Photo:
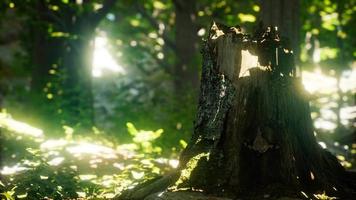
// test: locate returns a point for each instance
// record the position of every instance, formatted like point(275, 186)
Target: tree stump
point(253, 134)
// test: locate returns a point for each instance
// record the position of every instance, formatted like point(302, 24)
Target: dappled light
point(19, 127)
point(324, 90)
point(190, 166)
point(84, 148)
point(188, 100)
point(12, 170)
point(78, 154)
point(316, 82)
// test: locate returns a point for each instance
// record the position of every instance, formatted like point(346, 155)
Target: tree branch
point(155, 24)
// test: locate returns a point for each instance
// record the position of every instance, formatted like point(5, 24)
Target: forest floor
point(34, 166)
point(91, 166)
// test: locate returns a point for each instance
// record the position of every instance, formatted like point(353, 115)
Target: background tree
point(61, 46)
point(45, 76)
point(286, 16)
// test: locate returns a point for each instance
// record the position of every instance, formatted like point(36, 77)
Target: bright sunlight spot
point(12, 170)
point(248, 61)
point(325, 88)
point(19, 127)
point(318, 82)
point(56, 161)
point(92, 149)
point(103, 61)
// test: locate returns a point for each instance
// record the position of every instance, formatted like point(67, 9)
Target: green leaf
point(131, 129)
point(159, 5)
point(246, 17)
point(134, 22)
point(137, 175)
point(183, 143)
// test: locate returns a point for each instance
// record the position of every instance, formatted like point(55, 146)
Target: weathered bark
point(253, 135)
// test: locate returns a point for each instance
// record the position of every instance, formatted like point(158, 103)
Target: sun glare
point(317, 82)
point(103, 61)
point(326, 87)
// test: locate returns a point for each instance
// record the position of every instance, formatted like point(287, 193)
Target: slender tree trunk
point(286, 15)
point(342, 62)
point(73, 55)
point(185, 71)
point(44, 50)
point(77, 63)
point(78, 94)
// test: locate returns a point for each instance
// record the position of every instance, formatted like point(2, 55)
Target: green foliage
point(329, 24)
point(50, 45)
point(94, 166)
point(144, 138)
point(40, 180)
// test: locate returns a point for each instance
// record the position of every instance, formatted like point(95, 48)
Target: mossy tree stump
point(253, 134)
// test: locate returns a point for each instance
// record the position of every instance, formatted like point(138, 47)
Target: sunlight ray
point(103, 61)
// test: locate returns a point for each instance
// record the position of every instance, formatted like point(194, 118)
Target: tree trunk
point(73, 55)
point(77, 63)
point(253, 135)
point(286, 15)
point(44, 51)
point(186, 38)
point(78, 94)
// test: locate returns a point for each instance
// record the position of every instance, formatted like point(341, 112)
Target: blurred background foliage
point(76, 73)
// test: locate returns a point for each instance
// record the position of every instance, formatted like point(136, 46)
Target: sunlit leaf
point(87, 176)
point(159, 5)
point(134, 22)
point(183, 143)
point(33, 151)
point(59, 34)
point(54, 7)
point(8, 195)
point(323, 196)
point(256, 8)
point(137, 175)
point(156, 170)
point(81, 194)
point(131, 128)
point(246, 17)
point(56, 161)
point(21, 196)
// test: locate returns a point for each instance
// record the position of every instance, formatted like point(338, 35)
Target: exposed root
point(153, 186)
